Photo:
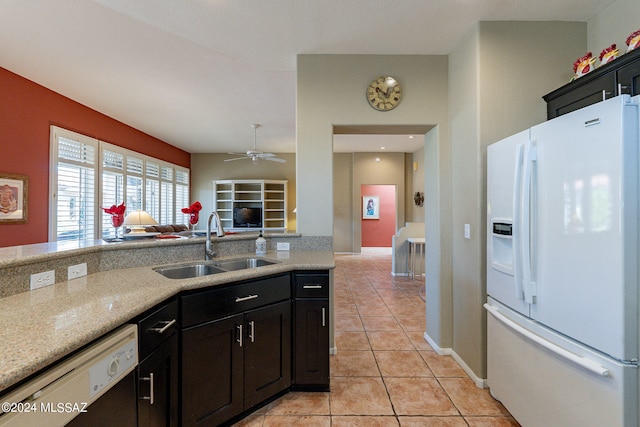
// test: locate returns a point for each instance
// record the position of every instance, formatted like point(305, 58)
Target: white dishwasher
point(67, 389)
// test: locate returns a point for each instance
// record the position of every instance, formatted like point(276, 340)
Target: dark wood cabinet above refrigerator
point(620, 76)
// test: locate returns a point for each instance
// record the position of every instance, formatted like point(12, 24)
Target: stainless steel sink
point(189, 271)
point(243, 263)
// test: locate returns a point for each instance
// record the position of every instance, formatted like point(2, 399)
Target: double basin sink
point(187, 271)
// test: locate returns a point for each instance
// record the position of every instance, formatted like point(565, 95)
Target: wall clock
point(384, 93)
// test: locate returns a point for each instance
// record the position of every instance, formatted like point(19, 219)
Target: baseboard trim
point(479, 382)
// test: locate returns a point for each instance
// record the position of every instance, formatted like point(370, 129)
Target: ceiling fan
point(254, 154)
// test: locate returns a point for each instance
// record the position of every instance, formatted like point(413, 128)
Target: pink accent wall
point(27, 110)
point(378, 232)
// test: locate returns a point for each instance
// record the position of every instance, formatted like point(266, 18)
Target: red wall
point(378, 232)
point(26, 112)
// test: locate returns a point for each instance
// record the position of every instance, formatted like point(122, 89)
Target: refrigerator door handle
point(530, 156)
point(517, 223)
point(583, 362)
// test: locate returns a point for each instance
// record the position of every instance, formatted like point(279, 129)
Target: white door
point(581, 225)
point(504, 169)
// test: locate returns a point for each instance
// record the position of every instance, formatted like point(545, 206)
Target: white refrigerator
point(563, 268)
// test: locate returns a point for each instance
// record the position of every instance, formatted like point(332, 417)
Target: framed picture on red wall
point(13, 198)
point(370, 207)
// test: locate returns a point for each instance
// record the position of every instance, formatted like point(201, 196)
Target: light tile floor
point(384, 374)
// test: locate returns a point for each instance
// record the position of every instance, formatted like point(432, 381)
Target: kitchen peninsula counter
point(42, 326)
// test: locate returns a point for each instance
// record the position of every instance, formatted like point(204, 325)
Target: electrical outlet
point(41, 280)
point(282, 246)
point(77, 270)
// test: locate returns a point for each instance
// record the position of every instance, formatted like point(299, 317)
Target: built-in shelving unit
point(270, 196)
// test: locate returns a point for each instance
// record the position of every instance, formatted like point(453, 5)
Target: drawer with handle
point(311, 285)
point(157, 327)
point(220, 302)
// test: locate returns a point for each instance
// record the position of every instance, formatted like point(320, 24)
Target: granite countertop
point(47, 324)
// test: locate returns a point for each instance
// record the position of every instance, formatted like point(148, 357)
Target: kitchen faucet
point(208, 251)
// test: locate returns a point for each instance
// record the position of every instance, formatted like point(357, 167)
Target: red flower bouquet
point(117, 215)
point(194, 213)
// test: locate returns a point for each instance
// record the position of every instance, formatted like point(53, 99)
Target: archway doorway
point(375, 154)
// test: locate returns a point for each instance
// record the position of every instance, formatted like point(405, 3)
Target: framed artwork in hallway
point(370, 207)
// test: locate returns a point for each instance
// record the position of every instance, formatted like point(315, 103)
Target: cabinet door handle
point(167, 325)
point(150, 398)
point(621, 87)
point(324, 322)
point(312, 287)
point(247, 298)
point(239, 340)
point(252, 331)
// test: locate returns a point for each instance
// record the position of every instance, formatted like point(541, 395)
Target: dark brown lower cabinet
point(267, 352)
point(158, 386)
point(311, 344)
point(311, 330)
point(212, 372)
point(157, 371)
point(231, 364)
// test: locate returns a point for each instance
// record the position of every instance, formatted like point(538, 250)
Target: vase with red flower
point(117, 217)
point(194, 216)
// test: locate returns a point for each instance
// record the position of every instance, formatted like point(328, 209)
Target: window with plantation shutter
point(152, 190)
point(135, 198)
point(167, 201)
point(112, 187)
point(182, 195)
point(87, 174)
point(74, 187)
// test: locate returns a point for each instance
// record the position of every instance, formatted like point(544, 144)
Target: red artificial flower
point(194, 208)
point(115, 210)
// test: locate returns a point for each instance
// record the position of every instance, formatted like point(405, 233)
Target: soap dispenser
point(261, 245)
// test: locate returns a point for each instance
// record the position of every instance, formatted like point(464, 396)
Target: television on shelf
point(247, 217)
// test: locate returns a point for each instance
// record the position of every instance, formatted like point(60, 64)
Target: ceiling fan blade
point(275, 159)
point(264, 155)
point(237, 158)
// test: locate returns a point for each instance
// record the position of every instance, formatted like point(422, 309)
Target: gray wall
point(495, 91)
point(331, 91)
point(613, 25)
point(206, 168)
point(343, 234)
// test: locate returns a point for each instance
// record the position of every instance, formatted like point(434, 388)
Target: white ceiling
point(198, 73)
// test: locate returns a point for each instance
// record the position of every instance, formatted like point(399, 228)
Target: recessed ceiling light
point(383, 148)
point(410, 136)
